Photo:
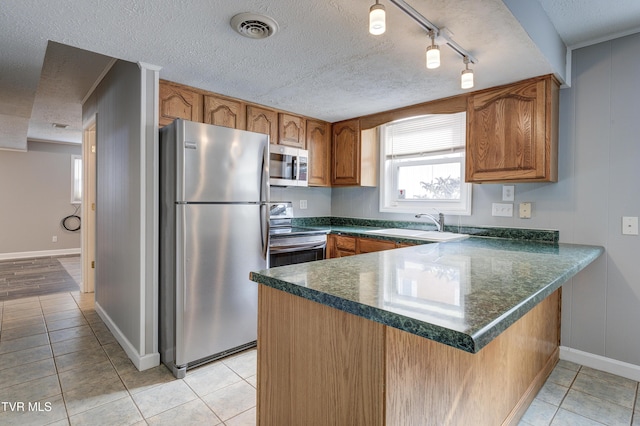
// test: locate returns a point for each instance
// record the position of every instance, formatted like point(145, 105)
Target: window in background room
point(422, 165)
point(76, 179)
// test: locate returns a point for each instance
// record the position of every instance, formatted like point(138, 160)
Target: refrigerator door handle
point(264, 205)
point(264, 227)
point(180, 286)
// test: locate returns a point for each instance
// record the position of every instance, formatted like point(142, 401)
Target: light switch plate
point(508, 192)
point(303, 204)
point(630, 225)
point(525, 210)
point(502, 209)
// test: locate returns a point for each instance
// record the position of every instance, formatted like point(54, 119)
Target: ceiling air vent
point(253, 25)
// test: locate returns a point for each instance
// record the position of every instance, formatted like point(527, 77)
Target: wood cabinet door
point(340, 246)
point(319, 145)
point(509, 133)
point(224, 112)
point(263, 120)
point(345, 153)
point(178, 102)
point(291, 130)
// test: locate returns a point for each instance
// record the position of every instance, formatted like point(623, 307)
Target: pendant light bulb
point(433, 54)
point(377, 17)
point(466, 79)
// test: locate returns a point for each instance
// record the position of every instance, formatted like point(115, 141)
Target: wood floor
point(38, 276)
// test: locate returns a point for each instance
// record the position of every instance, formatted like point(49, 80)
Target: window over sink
point(422, 165)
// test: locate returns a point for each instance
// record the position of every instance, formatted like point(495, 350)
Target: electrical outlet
point(525, 210)
point(303, 204)
point(508, 193)
point(54, 239)
point(629, 225)
point(500, 209)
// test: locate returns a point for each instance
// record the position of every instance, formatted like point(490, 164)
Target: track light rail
point(430, 26)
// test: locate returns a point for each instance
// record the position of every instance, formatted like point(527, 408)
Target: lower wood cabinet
point(369, 245)
point(345, 245)
point(340, 246)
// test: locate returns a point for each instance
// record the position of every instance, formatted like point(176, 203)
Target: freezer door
point(216, 303)
point(221, 164)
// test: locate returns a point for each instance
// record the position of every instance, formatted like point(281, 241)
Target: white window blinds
point(417, 136)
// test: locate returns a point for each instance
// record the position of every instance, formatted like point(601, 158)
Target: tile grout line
point(55, 364)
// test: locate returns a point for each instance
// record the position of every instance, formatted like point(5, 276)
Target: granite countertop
point(462, 294)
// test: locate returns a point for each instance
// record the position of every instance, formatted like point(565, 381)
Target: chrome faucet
point(439, 221)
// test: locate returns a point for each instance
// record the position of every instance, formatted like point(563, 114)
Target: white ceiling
point(322, 62)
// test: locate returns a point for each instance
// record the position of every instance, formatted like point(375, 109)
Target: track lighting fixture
point(377, 18)
point(433, 52)
point(466, 79)
point(377, 26)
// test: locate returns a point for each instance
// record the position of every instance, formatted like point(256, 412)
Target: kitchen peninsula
point(453, 333)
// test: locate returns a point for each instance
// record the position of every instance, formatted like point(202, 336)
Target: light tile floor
point(60, 365)
point(581, 396)
point(59, 359)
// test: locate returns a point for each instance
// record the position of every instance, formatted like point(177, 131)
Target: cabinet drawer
point(368, 245)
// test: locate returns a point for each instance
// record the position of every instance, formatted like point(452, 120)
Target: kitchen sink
point(419, 234)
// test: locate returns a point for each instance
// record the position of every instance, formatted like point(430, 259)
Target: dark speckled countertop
point(462, 294)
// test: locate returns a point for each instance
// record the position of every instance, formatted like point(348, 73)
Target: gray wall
point(318, 200)
point(35, 187)
point(126, 226)
point(599, 183)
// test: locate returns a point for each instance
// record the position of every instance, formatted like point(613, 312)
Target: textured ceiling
point(581, 22)
point(322, 62)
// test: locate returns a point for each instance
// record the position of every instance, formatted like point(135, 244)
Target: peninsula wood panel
point(429, 383)
point(317, 365)
point(224, 112)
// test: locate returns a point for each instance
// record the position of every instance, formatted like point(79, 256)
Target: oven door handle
point(297, 247)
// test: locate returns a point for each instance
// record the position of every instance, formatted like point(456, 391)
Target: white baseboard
point(142, 362)
point(609, 365)
point(43, 253)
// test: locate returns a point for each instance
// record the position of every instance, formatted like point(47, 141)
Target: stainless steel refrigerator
point(214, 231)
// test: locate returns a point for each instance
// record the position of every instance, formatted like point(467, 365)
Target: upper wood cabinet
point(318, 137)
point(224, 112)
point(512, 133)
point(353, 155)
point(291, 130)
point(178, 102)
point(263, 120)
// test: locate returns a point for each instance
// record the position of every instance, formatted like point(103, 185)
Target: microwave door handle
point(295, 168)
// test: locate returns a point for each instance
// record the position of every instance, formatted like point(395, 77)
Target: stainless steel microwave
point(288, 166)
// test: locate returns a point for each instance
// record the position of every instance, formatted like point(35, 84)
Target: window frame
point(76, 179)
point(390, 202)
